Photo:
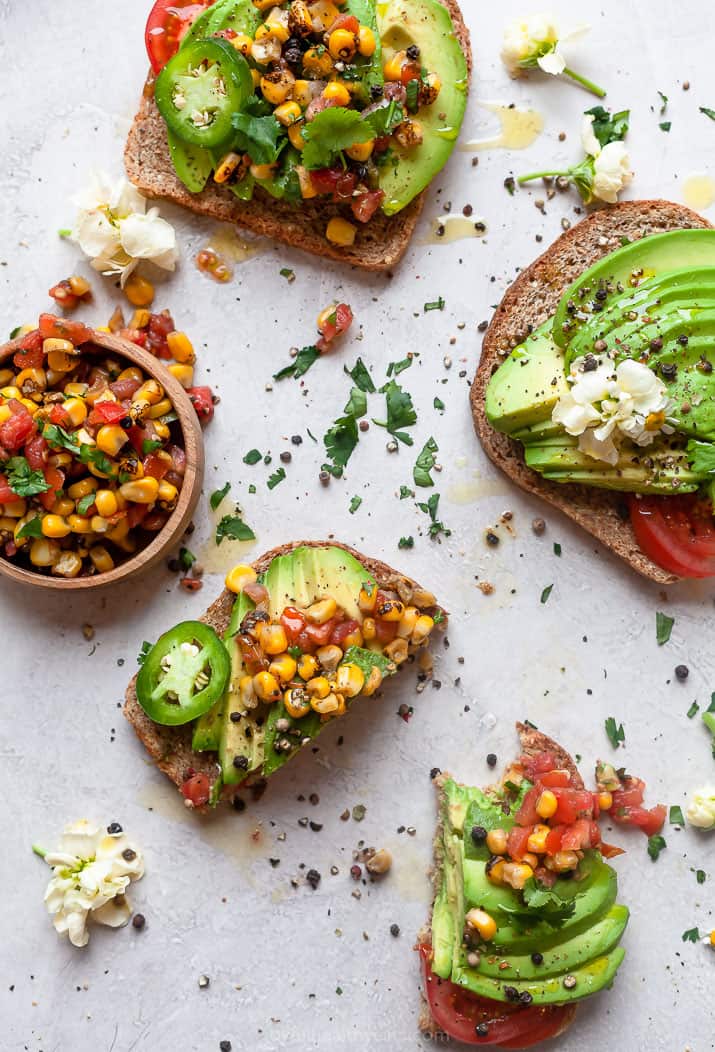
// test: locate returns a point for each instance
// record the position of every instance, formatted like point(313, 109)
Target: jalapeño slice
point(200, 89)
point(184, 673)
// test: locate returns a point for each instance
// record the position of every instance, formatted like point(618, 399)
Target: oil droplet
point(457, 227)
point(472, 491)
point(699, 191)
point(519, 129)
point(224, 247)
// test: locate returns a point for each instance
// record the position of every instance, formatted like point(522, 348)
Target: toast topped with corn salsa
point(293, 640)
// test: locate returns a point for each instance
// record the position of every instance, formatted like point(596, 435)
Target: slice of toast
point(532, 742)
point(529, 301)
point(170, 747)
point(379, 245)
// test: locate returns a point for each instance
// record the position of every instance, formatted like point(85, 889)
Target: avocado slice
point(526, 386)
point(427, 24)
point(665, 459)
point(443, 924)
point(207, 729)
point(637, 260)
point(625, 480)
point(544, 430)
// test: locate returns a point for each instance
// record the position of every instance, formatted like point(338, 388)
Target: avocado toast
point(627, 289)
point(524, 921)
point(284, 675)
point(357, 203)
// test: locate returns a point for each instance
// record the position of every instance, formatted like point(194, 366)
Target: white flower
point(701, 809)
point(534, 41)
point(604, 404)
point(588, 139)
point(114, 229)
point(91, 871)
point(611, 172)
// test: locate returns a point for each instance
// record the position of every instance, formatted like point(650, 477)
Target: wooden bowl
point(168, 537)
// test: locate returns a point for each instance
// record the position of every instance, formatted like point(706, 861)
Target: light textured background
point(70, 75)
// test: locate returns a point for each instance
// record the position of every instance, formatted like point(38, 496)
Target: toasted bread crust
point(532, 742)
point(530, 300)
point(170, 747)
point(379, 244)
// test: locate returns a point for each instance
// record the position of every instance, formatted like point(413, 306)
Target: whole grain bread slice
point(379, 244)
point(170, 747)
point(532, 743)
point(529, 301)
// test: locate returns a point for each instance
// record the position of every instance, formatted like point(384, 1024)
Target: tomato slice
point(62, 329)
point(650, 821)
point(197, 789)
point(168, 23)
point(677, 533)
point(458, 1013)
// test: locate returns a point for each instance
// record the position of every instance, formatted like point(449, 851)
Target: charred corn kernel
point(139, 291)
point(121, 501)
point(605, 800)
point(53, 377)
point(367, 597)
point(44, 552)
point(256, 78)
point(329, 657)
point(300, 20)
point(119, 533)
point(283, 668)
point(239, 577)
point(181, 348)
point(361, 151)
point(277, 28)
point(307, 666)
point(712, 937)
point(103, 395)
point(262, 171)
point(323, 14)
point(353, 639)
point(79, 524)
point(127, 543)
point(31, 379)
point(54, 343)
point(321, 611)
point(318, 687)
point(330, 705)
point(227, 166)
point(392, 69)
point(132, 467)
point(266, 687)
point(342, 44)
point(337, 92)
point(11, 392)
point(30, 405)
point(143, 491)
point(366, 41)
point(397, 650)
point(409, 134)
point(301, 93)
point(79, 285)
point(496, 841)
point(349, 680)
point(429, 89)
point(373, 681)
point(59, 362)
point(297, 702)
point(111, 438)
point(140, 318)
point(516, 874)
point(100, 524)
point(63, 506)
point(563, 861)
point(546, 804)
point(5, 413)
point(317, 63)
point(482, 923)
point(167, 493)
point(407, 622)
point(183, 373)
point(247, 692)
point(82, 489)
point(69, 564)
point(160, 409)
point(243, 43)
point(277, 85)
point(101, 559)
point(287, 113)
point(150, 391)
point(131, 373)
point(494, 869)
point(15, 508)
point(530, 859)
point(106, 503)
point(272, 638)
point(6, 376)
point(55, 526)
point(368, 629)
point(305, 181)
point(423, 627)
point(389, 610)
point(537, 840)
point(162, 430)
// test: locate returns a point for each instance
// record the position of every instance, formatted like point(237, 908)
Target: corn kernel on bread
point(529, 301)
point(170, 747)
point(379, 245)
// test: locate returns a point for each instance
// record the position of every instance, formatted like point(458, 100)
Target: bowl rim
point(189, 494)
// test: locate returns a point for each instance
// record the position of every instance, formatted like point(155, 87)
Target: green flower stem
point(539, 175)
point(39, 850)
point(585, 83)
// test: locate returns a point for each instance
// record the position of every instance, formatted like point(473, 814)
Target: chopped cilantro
point(258, 135)
point(85, 503)
point(663, 627)
point(395, 368)
point(542, 903)
point(234, 527)
point(676, 816)
point(437, 304)
point(708, 112)
point(218, 495)
point(546, 593)
point(288, 274)
point(57, 436)
point(412, 91)
point(32, 528)
point(149, 445)
point(276, 477)
point(430, 508)
point(354, 504)
point(145, 648)
point(252, 457)
point(608, 127)
point(615, 732)
point(360, 376)
point(438, 404)
point(663, 103)
point(665, 126)
point(405, 492)
point(332, 131)
point(64, 231)
point(655, 846)
point(24, 480)
point(305, 357)
point(340, 441)
point(438, 617)
point(406, 542)
point(91, 455)
point(366, 660)
point(557, 548)
point(425, 463)
point(700, 876)
point(694, 708)
point(711, 706)
point(252, 488)
point(186, 558)
point(400, 411)
point(357, 404)
point(692, 934)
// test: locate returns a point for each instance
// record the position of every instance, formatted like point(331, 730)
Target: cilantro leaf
point(656, 844)
point(234, 527)
point(615, 732)
point(400, 410)
point(708, 112)
point(676, 816)
point(260, 137)
point(32, 528)
point(288, 274)
point(557, 548)
point(424, 464)
point(366, 660)
point(332, 131)
point(608, 127)
point(438, 404)
point(91, 455)
point(663, 627)
point(701, 457)
point(360, 376)
point(540, 904)
point(186, 558)
point(340, 441)
point(700, 876)
point(692, 934)
point(357, 403)
point(85, 503)
point(252, 457)
point(663, 103)
point(385, 118)
point(218, 495)
point(437, 304)
point(430, 508)
point(405, 492)
point(276, 477)
point(142, 655)
point(305, 357)
point(406, 542)
point(665, 126)
point(694, 708)
point(149, 445)
point(354, 504)
point(57, 436)
point(546, 593)
point(395, 368)
point(24, 480)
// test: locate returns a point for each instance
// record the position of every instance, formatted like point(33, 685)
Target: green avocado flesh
point(244, 739)
point(583, 946)
point(653, 301)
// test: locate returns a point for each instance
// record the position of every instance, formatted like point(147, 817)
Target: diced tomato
point(201, 399)
point(155, 466)
point(168, 23)
point(410, 71)
point(334, 181)
point(55, 479)
point(7, 495)
point(526, 815)
point(535, 766)
point(36, 452)
point(107, 413)
point(137, 336)
point(253, 657)
point(517, 841)
point(197, 789)
point(595, 834)
point(178, 456)
point(63, 295)
point(348, 22)
point(385, 631)
point(293, 623)
point(31, 341)
point(141, 433)
point(382, 143)
point(559, 778)
point(124, 389)
point(62, 329)
point(650, 821)
point(610, 850)
point(136, 513)
point(337, 322)
point(572, 804)
point(342, 630)
point(553, 840)
point(631, 794)
point(159, 327)
point(29, 359)
point(365, 205)
point(60, 416)
point(319, 635)
point(16, 430)
point(577, 837)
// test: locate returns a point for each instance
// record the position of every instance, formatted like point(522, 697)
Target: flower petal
point(604, 450)
point(114, 914)
point(552, 62)
point(588, 140)
point(149, 237)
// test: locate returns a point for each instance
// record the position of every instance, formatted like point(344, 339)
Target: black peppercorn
point(114, 829)
point(479, 834)
point(492, 759)
point(138, 921)
point(239, 804)
point(394, 930)
point(313, 878)
point(482, 1030)
point(225, 1046)
point(681, 672)
point(413, 52)
point(128, 855)
point(537, 958)
point(240, 763)
point(434, 772)
point(491, 538)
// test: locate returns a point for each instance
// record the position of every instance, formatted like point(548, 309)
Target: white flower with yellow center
point(605, 403)
point(534, 41)
point(701, 809)
point(115, 230)
point(91, 871)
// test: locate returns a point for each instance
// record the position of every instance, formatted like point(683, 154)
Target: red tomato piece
point(31, 341)
point(348, 22)
point(558, 778)
point(36, 452)
point(62, 329)
point(385, 631)
point(342, 631)
point(136, 513)
point(577, 836)
point(29, 359)
point(526, 815)
point(535, 766)
point(160, 325)
point(16, 430)
point(168, 23)
point(197, 789)
point(517, 841)
point(410, 71)
point(124, 389)
point(365, 205)
point(631, 794)
point(201, 399)
point(253, 657)
point(107, 413)
point(610, 850)
point(7, 495)
point(137, 336)
point(60, 416)
point(327, 180)
point(155, 466)
point(319, 635)
point(650, 821)
point(572, 805)
point(55, 479)
point(337, 322)
point(595, 834)
point(553, 840)
point(677, 533)
point(293, 623)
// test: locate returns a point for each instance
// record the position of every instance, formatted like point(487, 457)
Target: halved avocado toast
point(308, 628)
